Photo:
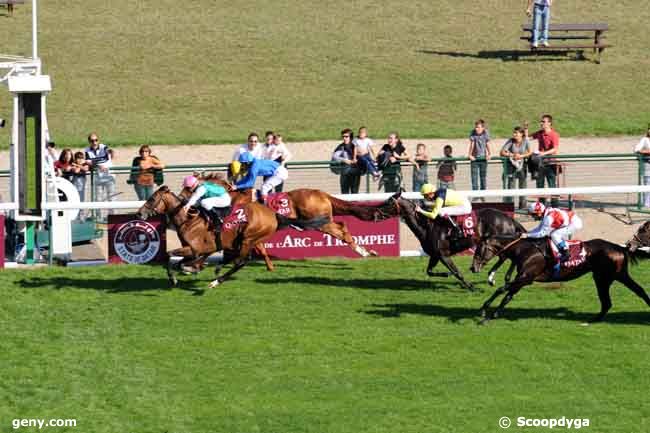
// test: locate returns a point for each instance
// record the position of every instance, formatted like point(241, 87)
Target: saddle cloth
point(577, 253)
point(236, 218)
point(467, 222)
point(279, 202)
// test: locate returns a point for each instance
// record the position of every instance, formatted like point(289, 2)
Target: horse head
point(161, 201)
point(488, 247)
point(641, 238)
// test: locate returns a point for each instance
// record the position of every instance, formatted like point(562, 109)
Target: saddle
point(577, 255)
point(466, 224)
point(280, 203)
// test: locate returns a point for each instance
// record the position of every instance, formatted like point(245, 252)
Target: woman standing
point(142, 172)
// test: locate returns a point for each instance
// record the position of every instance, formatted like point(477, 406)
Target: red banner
point(131, 240)
point(381, 237)
point(2, 241)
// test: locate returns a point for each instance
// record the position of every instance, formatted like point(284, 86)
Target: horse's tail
point(301, 224)
point(363, 212)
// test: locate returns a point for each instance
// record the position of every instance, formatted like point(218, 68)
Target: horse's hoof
point(485, 321)
point(585, 324)
point(491, 280)
point(373, 253)
point(214, 284)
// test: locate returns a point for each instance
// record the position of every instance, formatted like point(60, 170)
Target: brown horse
point(258, 224)
point(313, 203)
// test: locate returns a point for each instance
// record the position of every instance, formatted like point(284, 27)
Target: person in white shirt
point(364, 154)
point(100, 159)
point(275, 150)
point(643, 148)
point(252, 146)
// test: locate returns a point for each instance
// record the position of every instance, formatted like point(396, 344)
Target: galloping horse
point(435, 239)
point(535, 261)
point(256, 224)
point(306, 204)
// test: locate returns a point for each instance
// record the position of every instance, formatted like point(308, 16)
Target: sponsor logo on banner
point(135, 241)
point(381, 236)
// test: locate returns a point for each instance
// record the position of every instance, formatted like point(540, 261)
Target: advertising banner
point(381, 236)
point(131, 240)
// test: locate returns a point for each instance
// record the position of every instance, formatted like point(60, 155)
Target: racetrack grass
point(318, 346)
point(209, 71)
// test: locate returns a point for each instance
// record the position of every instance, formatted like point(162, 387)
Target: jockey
point(253, 167)
point(446, 202)
point(213, 197)
point(556, 223)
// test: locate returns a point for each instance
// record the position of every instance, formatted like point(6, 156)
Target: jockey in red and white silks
point(556, 223)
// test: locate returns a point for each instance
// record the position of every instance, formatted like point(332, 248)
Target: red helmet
point(536, 208)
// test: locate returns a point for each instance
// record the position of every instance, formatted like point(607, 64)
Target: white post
point(34, 33)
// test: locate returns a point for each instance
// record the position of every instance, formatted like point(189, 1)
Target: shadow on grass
point(511, 55)
point(400, 284)
point(454, 314)
point(294, 264)
point(121, 285)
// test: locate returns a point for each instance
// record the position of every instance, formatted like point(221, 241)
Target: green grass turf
point(211, 71)
point(319, 346)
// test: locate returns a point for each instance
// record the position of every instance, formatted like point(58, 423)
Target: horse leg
point(228, 256)
point(513, 289)
point(494, 269)
point(603, 283)
point(511, 269)
point(267, 260)
point(501, 290)
point(340, 232)
point(454, 270)
point(626, 279)
point(187, 253)
point(433, 261)
point(237, 264)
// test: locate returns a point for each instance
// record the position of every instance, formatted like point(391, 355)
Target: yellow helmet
point(235, 167)
point(427, 188)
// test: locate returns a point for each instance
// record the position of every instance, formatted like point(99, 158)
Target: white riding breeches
point(461, 209)
point(564, 233)
point(280, 175)
point(221, 201)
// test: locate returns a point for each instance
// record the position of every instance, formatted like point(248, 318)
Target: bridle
point(152, 207)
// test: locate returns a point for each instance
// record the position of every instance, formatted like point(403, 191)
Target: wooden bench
point(571, 37)
point(10, 5)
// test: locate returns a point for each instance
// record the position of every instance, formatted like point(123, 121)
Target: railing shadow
point(399, 284)
point(121, 285)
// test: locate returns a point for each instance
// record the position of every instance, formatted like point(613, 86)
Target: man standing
point(99, 158)
point(541, 12)
point(548, 141)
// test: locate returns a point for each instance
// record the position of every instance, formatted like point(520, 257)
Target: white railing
point(533, 192)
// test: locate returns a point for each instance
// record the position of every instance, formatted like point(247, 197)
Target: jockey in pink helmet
point(559, 224)
point(213, 198)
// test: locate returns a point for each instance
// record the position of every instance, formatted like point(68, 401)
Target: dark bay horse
point(640, 239)
point(306, 204)
point(435, 238)
point(256, 225)
point(535, 261)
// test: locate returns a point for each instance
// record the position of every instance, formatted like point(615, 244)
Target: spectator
point(364, 154)
point(100, 160)
point(275, 150)
point(80, 170)
point(516, 149)
point(643, 148)
point(63, 166)
point(479, 154)
point(51, 157)
point(143, 169)
point(389, 158)
point(447, 169)
point(541, 12)
point(420, 174)
point(548, 144)
point(252, 146)
point(350, 174)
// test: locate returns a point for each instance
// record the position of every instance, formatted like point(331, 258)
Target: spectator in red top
point(549, 144)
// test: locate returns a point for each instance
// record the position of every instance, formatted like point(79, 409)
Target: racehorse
point(253, 225)
point(306, 204)
point(640, 239)
point(535, 261)
point(436, 241)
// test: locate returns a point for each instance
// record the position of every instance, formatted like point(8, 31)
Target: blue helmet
point(246, 157)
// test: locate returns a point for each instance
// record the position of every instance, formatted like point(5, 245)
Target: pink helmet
point(190, 181)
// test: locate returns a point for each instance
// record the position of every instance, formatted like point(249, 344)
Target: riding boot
point(564, 251)
point(217, 220)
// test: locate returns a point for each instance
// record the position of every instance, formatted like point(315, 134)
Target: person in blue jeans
point(541, 13)
point(479, 154)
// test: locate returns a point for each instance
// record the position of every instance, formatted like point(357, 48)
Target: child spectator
point(275, 150)
point(80, 169)
point(420, 174)
point(479, 154)
point(447, 169)
point(364, 154)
